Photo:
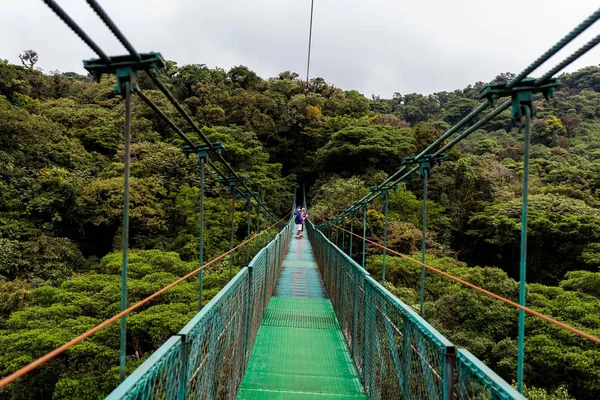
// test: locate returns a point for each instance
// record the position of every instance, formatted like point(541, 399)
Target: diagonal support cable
point(75, 28)
point(113, 28)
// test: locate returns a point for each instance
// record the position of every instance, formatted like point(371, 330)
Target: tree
point(558, 230)
point(242, 77)
point(355, 150)
point(29, 58)
point(336, 194)
point(546, 131)
point(356, 103)
point(458, 108)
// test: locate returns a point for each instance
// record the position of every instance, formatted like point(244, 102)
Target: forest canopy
point(61, 179)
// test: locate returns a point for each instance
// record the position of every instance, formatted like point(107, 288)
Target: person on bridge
point(299, 222)
point(303, 215)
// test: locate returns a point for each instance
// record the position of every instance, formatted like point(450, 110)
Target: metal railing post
point(425, 171)
point(523, 261)
point(364, 244)
point(125, 235)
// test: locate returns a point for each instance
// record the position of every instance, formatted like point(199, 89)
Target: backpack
point(298, 219)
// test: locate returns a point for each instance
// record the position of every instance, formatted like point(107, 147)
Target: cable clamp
point(125, 68)
point(522, 95)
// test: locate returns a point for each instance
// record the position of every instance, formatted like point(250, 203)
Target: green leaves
point(356, 150)
point(558, 230)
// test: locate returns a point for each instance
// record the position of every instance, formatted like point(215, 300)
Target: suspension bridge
point(303, 318)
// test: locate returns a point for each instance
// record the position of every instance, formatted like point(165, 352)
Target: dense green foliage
point(61, 165)
point(474, 218)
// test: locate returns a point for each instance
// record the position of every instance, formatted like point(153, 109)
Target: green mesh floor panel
point(300, 282)
point(304, 383)
point(299, 361)
point(287, 303)
point(291, 314)
point(299, 256)
point(259, 394)
point(299, 264)
point(316, 352)
point(300, 352)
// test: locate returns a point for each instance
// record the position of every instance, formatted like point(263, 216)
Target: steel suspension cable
point(312, 4)
point(497, 111)
point(177, 106)
point(554, 49)
point(179, 132)
point(164, 117)
point(515, 81)
point(125, 42)
point(113, 28)
point(75, 28)
point(406, 175)
point(581, 51)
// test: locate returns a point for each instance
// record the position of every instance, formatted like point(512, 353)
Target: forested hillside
point(61, 166)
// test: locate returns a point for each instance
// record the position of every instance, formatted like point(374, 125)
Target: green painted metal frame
point(523, 256)
point(396, 352)
point(208, 357)
point(202, 152)
point(157, 377)
point(126, 86)
point(364, 241)
point(474, 380)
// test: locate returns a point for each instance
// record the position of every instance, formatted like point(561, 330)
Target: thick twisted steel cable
point(172, 125)
point(113, 28)
point(406, 175)
point(250, 192)
point(239, 190)
point(453, 129)
point(75, 28)
point(312, 5)
point(554, 49)
point(121, 37)
point(429, 148)
point(473, 128)
point(166, 119)
point(33, 365)
point(539, 61)
point(222, 175)
point(581, 51)
point(178, 106)
point(195, 127)
point(448, 146)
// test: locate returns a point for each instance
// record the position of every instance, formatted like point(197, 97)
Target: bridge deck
point(300, 352)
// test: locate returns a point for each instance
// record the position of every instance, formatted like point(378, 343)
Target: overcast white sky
point(374, 46)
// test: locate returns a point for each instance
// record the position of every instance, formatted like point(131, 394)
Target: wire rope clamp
point(426, 163)
point(522, 95)
point(372, 189)
point(231, 181)
point(247, 197)
point(202, 150)
point(385, 190)
point(124, 67)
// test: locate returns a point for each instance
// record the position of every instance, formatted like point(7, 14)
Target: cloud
point(375, 46)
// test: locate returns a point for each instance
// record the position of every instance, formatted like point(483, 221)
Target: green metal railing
point(474, 380)
point(207, 358)
point(397, 353)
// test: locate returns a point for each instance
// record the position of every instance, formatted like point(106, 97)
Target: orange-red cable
point(17, 374)
point(479, 289)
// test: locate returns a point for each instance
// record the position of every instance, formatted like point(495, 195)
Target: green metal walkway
point(300, 352)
